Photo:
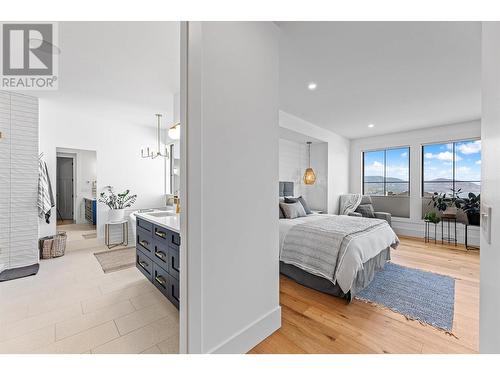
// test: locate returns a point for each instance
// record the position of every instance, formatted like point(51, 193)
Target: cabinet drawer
point(174, 262)
point(144, 264)
point(174, 291)
point(161, 234)
point(161, 254)
point(145, 225)
point(144, 241)
point(161, 280)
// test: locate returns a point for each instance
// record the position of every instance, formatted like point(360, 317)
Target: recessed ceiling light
point(371, 125)
point(312, 86)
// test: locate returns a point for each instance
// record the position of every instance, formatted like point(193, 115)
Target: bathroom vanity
point(157, 251)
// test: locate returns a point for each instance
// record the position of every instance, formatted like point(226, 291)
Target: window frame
point(385, 171)
point(453, 181)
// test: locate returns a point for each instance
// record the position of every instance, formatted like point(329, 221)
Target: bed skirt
point(363, 278)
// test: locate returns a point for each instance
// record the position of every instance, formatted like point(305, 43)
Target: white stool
point(124, 224)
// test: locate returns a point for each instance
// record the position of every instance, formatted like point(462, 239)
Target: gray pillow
point(293, 210)
point(366, 210)
point(302, 202)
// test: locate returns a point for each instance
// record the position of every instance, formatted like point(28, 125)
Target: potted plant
point(117, 202)
point(442, 202)
point(432, 217)
point(471, 206)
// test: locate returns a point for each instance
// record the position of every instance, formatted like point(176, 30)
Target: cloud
point(463, 169)
point(470, 148)
point(376, 168)
point(443, 156)
point(404, 154)
point(478, 162)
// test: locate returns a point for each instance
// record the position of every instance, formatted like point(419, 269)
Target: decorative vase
point(115, 215)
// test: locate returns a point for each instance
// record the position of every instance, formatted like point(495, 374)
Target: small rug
point(115, 260)
point(418, 295)
point(89, 236)
point(17, 273)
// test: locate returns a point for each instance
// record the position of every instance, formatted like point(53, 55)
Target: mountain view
point(374, 186)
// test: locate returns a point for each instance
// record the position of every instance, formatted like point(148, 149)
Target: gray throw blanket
point(319, 246)
point(349, 203)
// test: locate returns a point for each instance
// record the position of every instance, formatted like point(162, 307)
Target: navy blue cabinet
point(157, 257)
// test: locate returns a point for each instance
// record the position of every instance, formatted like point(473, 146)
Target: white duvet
point(359, 250)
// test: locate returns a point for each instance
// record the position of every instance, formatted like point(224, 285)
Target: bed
point(334, 254)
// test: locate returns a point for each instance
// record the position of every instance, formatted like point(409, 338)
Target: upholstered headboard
point(286, 189)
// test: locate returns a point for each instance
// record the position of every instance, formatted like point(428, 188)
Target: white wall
point(415, 139)
point(81, 123)
point(338, 156)
point(293, 160)
point(489, 337)
point(231, 235)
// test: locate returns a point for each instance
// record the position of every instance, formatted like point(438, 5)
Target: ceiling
point(396, 75)
point(130, 65)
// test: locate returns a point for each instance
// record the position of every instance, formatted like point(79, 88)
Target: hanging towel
point(349, 203)
point(45, 195)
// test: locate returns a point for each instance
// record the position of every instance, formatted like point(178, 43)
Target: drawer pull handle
point(144, 243)
point(175, 241)
point(161, 281)
point(173, 265)
point(161, 255)
point(160, 233)
point(173, 294)
point(144, 265)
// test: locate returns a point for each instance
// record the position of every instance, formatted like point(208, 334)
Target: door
point(489, 319)
point(64, 188)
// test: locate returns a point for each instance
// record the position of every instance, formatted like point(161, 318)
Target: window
point(450, 166)
point(387, 172)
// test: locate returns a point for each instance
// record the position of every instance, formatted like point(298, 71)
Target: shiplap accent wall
point(293, 160)
point(19, 180)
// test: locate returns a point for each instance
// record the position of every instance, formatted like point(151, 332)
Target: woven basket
point(53, 246)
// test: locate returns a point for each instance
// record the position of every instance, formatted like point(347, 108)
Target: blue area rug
point(418, 295)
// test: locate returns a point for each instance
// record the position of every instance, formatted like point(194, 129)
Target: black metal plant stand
point(449, 221)
point(428, 228)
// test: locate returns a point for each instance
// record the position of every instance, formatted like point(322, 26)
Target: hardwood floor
point(313, 322)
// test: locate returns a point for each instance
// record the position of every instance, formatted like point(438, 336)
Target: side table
point(124, 227)
point(449, 219)
point(428, 230)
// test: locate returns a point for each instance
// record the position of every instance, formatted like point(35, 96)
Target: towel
point(45, 194)
point(349, 203)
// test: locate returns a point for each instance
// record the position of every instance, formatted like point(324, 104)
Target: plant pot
point(116, 215)
point(473, 218)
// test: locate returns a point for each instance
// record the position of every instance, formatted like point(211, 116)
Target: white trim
point(251, 335)
point(183, 304)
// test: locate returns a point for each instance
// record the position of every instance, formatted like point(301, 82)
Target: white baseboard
point(405, 227)
point(251, 335)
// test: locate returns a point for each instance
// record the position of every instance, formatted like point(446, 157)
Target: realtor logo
point(29, 56)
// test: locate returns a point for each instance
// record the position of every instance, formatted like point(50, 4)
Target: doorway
point(76, 195)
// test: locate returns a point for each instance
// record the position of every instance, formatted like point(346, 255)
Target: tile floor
point(71, 306)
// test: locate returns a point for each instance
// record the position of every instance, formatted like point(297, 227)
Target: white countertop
point(170, 222)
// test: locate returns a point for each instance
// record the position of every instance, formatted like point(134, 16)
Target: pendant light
point(159, 152)
point(309, 176)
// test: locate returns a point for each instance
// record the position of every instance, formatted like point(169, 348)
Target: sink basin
point(161, 213)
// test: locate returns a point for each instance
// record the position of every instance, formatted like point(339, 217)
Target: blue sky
point(397, 163)
point(437, 162)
